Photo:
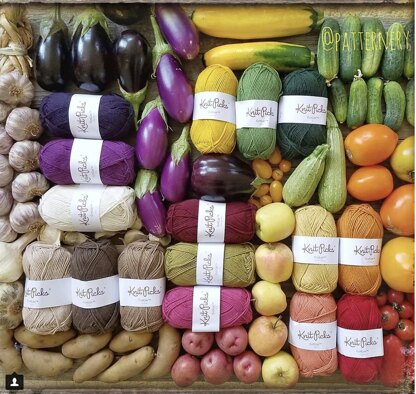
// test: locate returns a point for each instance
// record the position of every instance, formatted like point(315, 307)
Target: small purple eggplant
point(173, 85)
point(178, 30)
point(152, 139)
point(150, 207)
point(176, 172)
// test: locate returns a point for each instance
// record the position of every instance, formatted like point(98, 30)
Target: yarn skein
point(298, 140)
point(208, 135)
point(359, 313)
point(360, 221)
point(239, 264)
point(42, 261)
point(235, 307)
point(182, 221)
point(258, 82)
point(314, 308)
point(115, 116)
point(90, 261)
point(315, 221)
point(116, 162)
point(142, 259)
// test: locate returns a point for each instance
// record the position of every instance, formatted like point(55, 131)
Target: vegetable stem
point(161, 47)
point(181, 147)
point(53, 25)
point(21, 243)
point(146, 182)
point(156, 103)
point(135, 99)
point(89, 18)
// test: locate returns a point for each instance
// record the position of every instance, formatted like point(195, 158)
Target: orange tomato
point(265, 200)
point(277, 175)
point(285, 165)
point(262, 168)
point(254, 202)
point(276, 157)
point(262, 190)
point(398, 211)
point(276, 189)
point(370, 183)
point(370, 144)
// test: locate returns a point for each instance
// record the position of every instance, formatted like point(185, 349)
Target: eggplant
point(123, 14)
point(52, 57)
point(174, 180)
point(173, 85)
point(149, 203)
point(92, 54)
point(178, 30)
point(134, 66)
point(152, 138)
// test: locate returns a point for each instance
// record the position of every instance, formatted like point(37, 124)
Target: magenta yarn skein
point(116, 162)
point(235, 308)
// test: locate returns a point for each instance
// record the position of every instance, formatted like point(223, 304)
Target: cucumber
point(350, 48)
point(374, 98)
point(328, 50)
point(357, 103)
point(395, 105)
point(410, 101)
point(393, 60)
point(332, 189)
point(409, 54)
point(339, 100)
point(373, 46)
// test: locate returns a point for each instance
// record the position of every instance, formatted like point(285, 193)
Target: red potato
point(217, 367)
point(247, 367)
point(185, 370)
point(197, 343)
point(232, 340)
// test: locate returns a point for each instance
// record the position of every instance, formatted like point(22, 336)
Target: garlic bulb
point(23, 123)
point(50, 235)
point(6, 171)
point(11, 304)
point(25, 217)
point(24, 156)
point(16, 89)
point(27, 186)
point(5, 109)
point(6, 200)
point(7, 234)
point(6, 142)
point(72, 238)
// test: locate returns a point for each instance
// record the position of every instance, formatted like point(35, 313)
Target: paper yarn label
point(83, 116)
point(360, 251)
point(214, 106)
point(206, 309)
point(142, 293)
point(315, 250)
point(210, 264)
point(51, 293)
point(303, 109)
point(313, 336)
point(85, 161)
point(211, 221)
point(256, 113)
point(360, 343)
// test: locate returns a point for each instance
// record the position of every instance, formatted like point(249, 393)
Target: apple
point(274, 222)
point(185, 370)
point(280, 371)
point(274, 262)
point(269, 298)
point(197, 343)
point(232, 340)
point(247, 367)
point(217, 367)
point(267, 335)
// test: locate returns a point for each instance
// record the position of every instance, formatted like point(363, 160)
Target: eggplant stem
point(161, 47)
point(89, 18)
point(156, 103)
point(146, 182)
point(180, 148)
point(135, 99)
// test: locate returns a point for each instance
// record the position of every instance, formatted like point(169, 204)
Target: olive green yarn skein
point(258, 82)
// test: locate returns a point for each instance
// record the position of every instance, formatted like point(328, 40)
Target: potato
point(45, 363)
point(85, 344)
point(6, 338)
point(10, 360)
point(217, 367)
point(125, 341)
point(36, 341)
point(128, 366)
point(93, 366)
point(185, 370)
point(168, 349)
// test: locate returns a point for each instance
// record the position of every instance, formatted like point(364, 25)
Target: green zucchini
point(410, 101)
point(328, 50)
point(332, 189)
point(357, 103)
point(339, 100)
point(302, 183)
point(374, 97)
point(373, 46)
point(350, 48)
point(393, 61)
point(409, 54)
point(395, 105)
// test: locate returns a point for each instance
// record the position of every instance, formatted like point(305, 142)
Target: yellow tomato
point(397, 264)
point(402, 160)
point(262, 168)
point(276, 189)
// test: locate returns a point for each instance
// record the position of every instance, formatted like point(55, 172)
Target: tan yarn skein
point(141, 259)
point(42, 261)
point(315, 221)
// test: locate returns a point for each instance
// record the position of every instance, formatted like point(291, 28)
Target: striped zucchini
point(247, 22)
point(350, 48)
point(395, 105)
point(373, 46)
point(374, 97)
point(393, 60)
point(410, 101)
point(409, 54)
point(332, 189)
point(339, 100)
point(328, 50)
point(281, 56)
point(357, 103)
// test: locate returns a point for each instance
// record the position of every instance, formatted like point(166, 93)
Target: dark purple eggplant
point(152, 138)
point(173, 85)
point(174, 180)
point(150, 207)
point(52, 57)
point(178, 30)
point(92, 54)
point(123, 14)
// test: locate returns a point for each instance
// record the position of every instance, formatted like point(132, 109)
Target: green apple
point(274, 262)
point(280, 371)
point(269, 298)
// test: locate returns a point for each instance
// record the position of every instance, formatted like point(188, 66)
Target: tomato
point(394, 296)
point(276, 157)
point(389, 317)
point(410, 297)
point(402, 160)
point(405, 330)
point(265, 200)
point(262, 168)
point(370, 144)
point(410, 362)
point(254, 202)
point(277, 175)
point(262, 190)
point(370, 183)
point(394, 362)
point(285, 166)
point(276, 189)
point(405, 309)
point(381, 298)
point(398, 211)
point(397, 264)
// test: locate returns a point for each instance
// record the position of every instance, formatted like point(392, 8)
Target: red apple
point(185, 370)
point(247, 367)
point(217, 367)
point(197, 343)
point(274, 262)
point(232, 340)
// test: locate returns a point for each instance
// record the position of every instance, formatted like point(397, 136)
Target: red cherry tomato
point(405, 330)
point(381, 298)
point(395, 296)
point(410, 297)
point(405, 309)
point(389, 317)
